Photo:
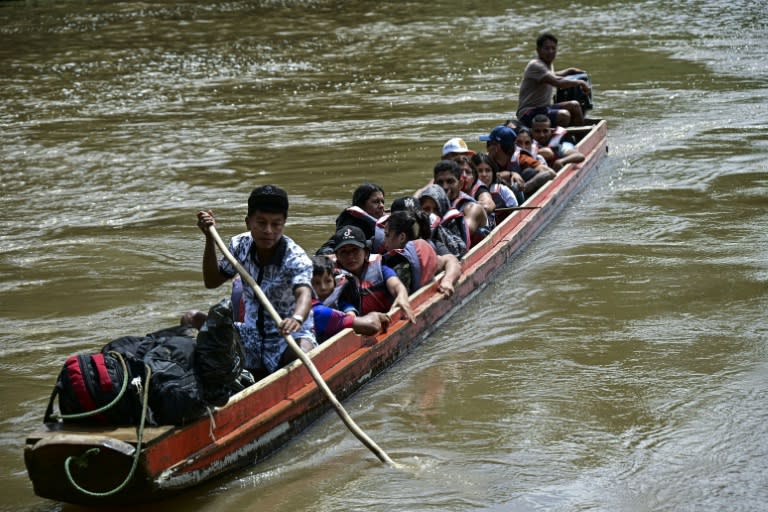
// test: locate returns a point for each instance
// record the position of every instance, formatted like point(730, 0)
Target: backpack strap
point(78, 379)
point(105, 383)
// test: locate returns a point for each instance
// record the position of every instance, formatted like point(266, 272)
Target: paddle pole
point(516, 208)
point(348, 421)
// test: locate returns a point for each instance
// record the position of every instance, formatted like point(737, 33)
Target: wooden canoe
point(262, 418)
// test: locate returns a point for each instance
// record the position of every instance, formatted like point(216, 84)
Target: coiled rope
point(81, 461)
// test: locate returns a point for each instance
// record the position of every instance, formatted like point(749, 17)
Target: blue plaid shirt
point(289, 268)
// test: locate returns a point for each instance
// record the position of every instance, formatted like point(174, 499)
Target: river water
point(619, 364)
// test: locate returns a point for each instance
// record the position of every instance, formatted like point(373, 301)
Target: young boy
point(283, 271)
point(328, 319)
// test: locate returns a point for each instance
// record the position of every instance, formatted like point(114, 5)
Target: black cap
point(401, 204)
point(269, 198)
point(407, 203)
point(349, 235)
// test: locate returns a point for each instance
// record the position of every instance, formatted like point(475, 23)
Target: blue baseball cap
point(503, 135)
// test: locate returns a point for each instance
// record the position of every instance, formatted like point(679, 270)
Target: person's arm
point(565, 83)
point(569, 71)
point(475, 217)
point(452, 267)
point(212, 277)
point(371, 323)
point(303, 296)
point(572, 156)
point(486, 200)
point(329, 321)
point(400, 293)
point(513, 178)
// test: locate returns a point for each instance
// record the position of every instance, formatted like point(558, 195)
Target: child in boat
point(487, 172)
point(553, 145)
point(413, 255)
point(329, 320)
point(473, 186)
point(379, 287)
point(283, 271)
point(367, 207)
point(528, 162)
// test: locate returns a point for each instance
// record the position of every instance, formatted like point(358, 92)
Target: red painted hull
point(259, 420)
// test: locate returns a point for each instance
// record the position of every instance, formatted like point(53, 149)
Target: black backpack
point(185, 375)
point(88, 382)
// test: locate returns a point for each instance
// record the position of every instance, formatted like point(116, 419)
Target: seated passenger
point(487, 172)
point(455, 147)
point(328, 319)
point(447, 223)
point(538, 87)
point(501, 147)
point(378, 285)
point(367, 207)
point(412, 254)
point(452, 149)
point(445, 241)
point(472, 186)
point(447, 174)
point(526, 160)
point(552, 144)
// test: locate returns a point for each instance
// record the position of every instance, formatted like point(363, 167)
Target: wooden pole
point(515, 209)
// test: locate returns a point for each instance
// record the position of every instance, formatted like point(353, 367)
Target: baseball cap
point(456, 145)
point(404, 203)
point(349, 235)
point(268, 198)
point(407, 203)
point(503, 135)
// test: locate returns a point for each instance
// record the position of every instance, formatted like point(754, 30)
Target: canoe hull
point(262, 418)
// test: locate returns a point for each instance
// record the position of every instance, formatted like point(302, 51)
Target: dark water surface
point(620, 364)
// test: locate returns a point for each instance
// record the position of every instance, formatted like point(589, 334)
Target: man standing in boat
point(537, 88)
point(280, 267)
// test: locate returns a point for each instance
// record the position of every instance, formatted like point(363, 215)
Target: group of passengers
point(377, 258)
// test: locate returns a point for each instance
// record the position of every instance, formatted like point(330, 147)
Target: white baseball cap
point(456, 145)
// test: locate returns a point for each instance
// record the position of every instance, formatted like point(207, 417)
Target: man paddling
point(280, 267)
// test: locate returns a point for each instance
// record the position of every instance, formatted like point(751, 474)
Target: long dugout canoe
point(262, 418)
